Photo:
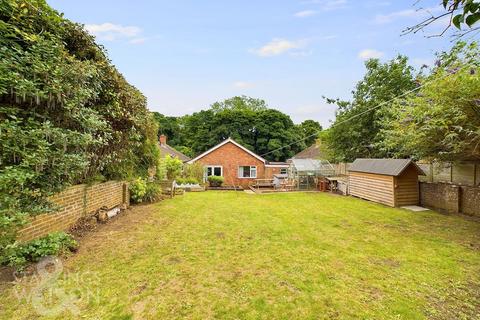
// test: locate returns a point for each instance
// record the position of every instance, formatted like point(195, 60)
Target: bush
point(187, 180)
point(215, 181)
point(138, 190)
point(195, 171)
point(191, 180)
point(173, 167)
point(67, 115)
point(153, 192)
point(18, 255)
point(181, 181)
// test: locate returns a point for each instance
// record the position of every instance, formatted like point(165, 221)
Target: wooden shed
point(393, 182)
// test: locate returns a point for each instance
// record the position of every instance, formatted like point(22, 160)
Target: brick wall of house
point(270, 171)
point(230, 157)
point(450, 198)
point(75, 202)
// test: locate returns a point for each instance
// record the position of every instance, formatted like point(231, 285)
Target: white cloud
point(277, 47)
point(243, 85)
point(305, 13)
point(419, 13)
point(370, 54)
point(110, 32)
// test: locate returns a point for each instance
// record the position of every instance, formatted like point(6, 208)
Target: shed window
point(247, 172)
point(283, 171)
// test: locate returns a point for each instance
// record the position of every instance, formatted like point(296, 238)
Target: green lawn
point(230, 255)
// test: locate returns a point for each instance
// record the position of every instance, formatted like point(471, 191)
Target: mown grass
point(278, 256)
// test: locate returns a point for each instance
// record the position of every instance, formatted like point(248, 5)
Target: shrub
point(153, 192)
point(18, 255)
point(195, 170)
point(187, 180)
point(181, 181)
point(173, 167)
point(67, 115)
point(215, 181)
point(138, 190)
point(191, 180)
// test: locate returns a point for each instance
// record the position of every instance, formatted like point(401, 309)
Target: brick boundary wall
point(76, 202)
point(450, 198)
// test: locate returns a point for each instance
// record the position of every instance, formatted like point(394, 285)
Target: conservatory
point(308, 173)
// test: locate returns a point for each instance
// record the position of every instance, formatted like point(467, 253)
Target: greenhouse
point(307, 173)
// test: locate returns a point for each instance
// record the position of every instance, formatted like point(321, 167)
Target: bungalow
point(238, 165)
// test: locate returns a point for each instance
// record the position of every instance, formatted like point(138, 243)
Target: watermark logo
point(52, 292)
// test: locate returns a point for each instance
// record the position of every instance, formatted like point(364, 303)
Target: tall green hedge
point(67, 115)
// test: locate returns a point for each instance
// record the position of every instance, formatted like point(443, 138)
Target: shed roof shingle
point(390, 167)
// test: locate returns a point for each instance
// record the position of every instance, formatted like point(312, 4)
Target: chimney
point(163, 139)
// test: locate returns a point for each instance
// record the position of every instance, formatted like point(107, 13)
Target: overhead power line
point(368, 110)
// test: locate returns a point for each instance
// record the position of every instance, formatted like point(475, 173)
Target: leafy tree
point(310, 130)
point(240, 103)
point(442, 120)
point(171, 127)
point(355, 132)
point(247, 120)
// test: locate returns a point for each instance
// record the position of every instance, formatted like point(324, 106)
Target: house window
point(213, 171)
point(247, 172)
point(283, 170)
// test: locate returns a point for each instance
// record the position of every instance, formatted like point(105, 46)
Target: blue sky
point(186, 54)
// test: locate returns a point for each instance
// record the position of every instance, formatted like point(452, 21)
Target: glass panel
point(253, 172)
point(217, 171)
point(209, 171)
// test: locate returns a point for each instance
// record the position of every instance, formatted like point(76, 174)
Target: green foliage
point(67, 115)
point(173, 166)
point(138, 190)
point(469, 15)
point(240, 103)
point(442, 120)
point(18, 255)
point(194, 171)
point(153, 192)
point(142, 190)
point(462, 15)
point(356, 131)
point(311, 130)
point(247, 120)
point(215, 181)
point(187, 180)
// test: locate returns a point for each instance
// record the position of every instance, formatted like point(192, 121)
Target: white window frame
point(205, 170)
point(251, 177)
point(282, 169)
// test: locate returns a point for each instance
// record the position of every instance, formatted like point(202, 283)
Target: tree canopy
point(442, 120)
point(247, 120)
point(356, 130)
